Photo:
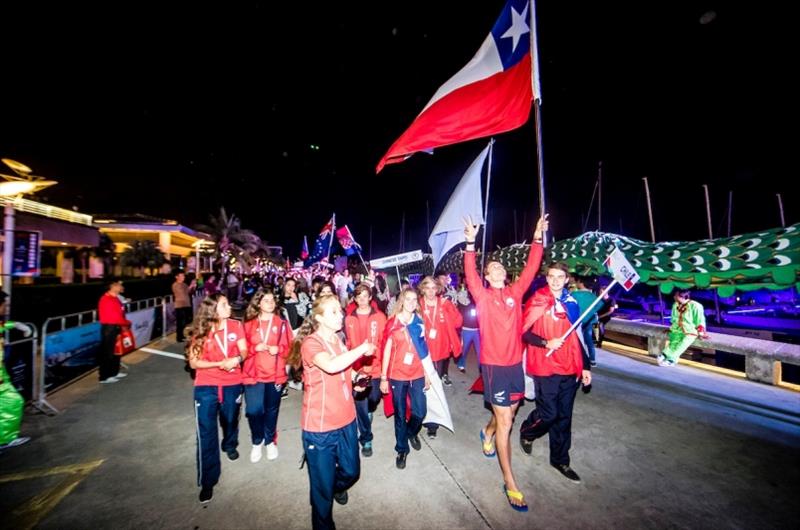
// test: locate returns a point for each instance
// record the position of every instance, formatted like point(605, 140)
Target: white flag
point(465, 201)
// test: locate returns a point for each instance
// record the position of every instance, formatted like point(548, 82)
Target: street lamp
point(13, 187)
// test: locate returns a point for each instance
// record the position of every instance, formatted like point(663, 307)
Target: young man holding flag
point(499, 309)
point(558, 365)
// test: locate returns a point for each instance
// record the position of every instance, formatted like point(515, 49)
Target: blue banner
point(70, 353)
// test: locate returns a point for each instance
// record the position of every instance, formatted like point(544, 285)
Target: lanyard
point(435, 312)
point(261, 330)
point(221, 343)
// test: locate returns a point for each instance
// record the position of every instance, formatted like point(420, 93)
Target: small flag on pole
point(347, 241)
point(304, 250)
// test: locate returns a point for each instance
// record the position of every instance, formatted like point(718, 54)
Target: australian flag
point(347, 241)
point(322, 244)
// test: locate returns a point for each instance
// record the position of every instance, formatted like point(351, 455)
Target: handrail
point(762, 357)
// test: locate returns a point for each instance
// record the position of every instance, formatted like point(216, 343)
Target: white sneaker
point(121, 375)
point(255, 454)
point(109, 380)
point(15, 442)
point(295, 386)
point(272, 451)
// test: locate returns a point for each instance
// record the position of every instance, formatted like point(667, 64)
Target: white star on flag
point(518, 26)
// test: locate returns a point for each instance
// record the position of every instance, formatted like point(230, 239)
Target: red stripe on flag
point(493, 105)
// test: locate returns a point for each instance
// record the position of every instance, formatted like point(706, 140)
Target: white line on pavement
point(164, 353)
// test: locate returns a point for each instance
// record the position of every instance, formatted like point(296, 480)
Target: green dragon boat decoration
point(768, 259)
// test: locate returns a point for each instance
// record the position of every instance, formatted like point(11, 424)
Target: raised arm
point(534, 258)
point(474, 284)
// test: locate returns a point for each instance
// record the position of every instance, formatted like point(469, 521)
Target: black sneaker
point(527, 445)
point(415, 443)
point(366, 451)
point(206, 494)
point(285, 392)
point(400, 461)
point(341, 497)
point(446, 380)
point(233, 454)
point(431, 434)
point(567, 471)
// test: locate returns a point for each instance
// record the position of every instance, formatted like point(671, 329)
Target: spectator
point(111, 314)
point(183, 303)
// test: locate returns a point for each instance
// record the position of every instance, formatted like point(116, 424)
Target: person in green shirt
point(585, 296)
point(11, 403)
point(687, 323)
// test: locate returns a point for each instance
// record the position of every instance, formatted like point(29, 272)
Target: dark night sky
point(175, 111)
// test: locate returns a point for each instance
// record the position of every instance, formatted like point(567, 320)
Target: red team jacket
point(357, 329)
point(500, 310)
point(262, 366)
point(548, 322)
point(445, 319)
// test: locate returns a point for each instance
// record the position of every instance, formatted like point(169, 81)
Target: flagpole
point(599, 195)
point(653, 239)
point(486, 204)
point(537, 112)
point(330, 243)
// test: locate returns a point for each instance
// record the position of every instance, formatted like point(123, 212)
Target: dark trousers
point(183, 317)
point(212, 403)
point(263, 402)
point(469, 337)
point(366, 403)
point(333, 467)
point(106, 360)
point(442, 367)
point(555, 397)
point(403, 430)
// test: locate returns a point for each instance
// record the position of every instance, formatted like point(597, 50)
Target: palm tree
point(234, 243)
point(143, 254)
point(105, 251)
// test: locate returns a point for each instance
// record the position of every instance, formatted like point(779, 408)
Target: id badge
point(432, 333)
point(408, 359)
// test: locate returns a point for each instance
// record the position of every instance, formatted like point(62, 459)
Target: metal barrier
point(83, 318)
point(34, 341)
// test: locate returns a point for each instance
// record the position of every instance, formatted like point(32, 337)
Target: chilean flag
point(491, 94)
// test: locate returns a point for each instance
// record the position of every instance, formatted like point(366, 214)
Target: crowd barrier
point(69, 343)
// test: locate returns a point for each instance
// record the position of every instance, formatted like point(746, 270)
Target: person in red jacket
point(216, 351)
point(442, 323)
point(548, 316)
point(264, 372)
point(499, 309)
point(365, 323)
point(111, 314)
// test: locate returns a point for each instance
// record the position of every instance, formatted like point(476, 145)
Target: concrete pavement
point(655, 447)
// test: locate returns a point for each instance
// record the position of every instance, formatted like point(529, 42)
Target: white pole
point(8, 252)
point(588, 309)
point(653, 239)
point(708, 211)
point(486, 205)
point(780, 209)
point(599, 196)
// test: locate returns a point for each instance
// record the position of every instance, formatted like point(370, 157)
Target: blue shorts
point(503, 385)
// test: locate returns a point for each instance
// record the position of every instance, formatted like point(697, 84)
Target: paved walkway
point(655, 447)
